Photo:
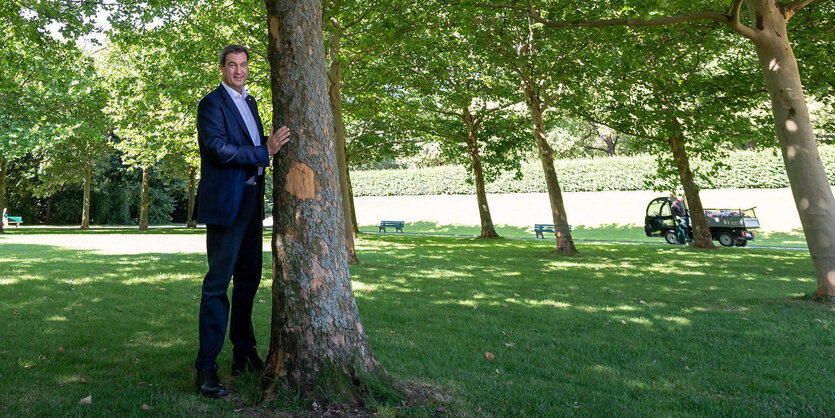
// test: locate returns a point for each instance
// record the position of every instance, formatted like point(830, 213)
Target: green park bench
point(541, 229)
point(17, 220)
point(397, 225)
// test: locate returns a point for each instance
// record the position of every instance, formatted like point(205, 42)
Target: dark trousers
point(233, 251)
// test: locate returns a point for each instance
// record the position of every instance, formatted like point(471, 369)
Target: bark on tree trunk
point(354, 225)
point(48, 210)
point(335, 94)
point(487, 228)
point(3, 164)
point(143, 211)
point(85, 209)
point(809, 183)
point(701, 232)
point(565, 243)
point(317, 345)
point(192, 179)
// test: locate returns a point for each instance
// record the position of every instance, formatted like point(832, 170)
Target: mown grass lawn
point(608, 232)
point(622, 329)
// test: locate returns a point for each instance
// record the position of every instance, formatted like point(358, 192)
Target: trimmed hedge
point(745, 170)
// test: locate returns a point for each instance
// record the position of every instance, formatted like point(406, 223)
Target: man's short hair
point(231, 49)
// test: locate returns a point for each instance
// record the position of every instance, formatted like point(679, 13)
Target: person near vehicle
point(230, 201)
point(681, 216)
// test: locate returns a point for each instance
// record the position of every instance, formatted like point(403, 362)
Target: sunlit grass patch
point(621, 329)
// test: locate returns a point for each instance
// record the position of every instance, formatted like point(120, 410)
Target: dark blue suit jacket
point(229, 160)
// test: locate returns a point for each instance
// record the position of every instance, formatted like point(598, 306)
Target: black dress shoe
point(209, 385)
point(246, 362)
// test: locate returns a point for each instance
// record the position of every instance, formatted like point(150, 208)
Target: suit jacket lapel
point(227, 100)
point(253, 108)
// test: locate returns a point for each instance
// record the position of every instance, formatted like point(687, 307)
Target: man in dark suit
point(233, 155)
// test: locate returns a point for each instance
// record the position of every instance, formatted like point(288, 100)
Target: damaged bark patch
point(274, 30)
point(300, 182)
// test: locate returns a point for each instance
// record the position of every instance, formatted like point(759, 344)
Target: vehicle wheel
point(726, 239)
point(741, 242)
point(671, 238)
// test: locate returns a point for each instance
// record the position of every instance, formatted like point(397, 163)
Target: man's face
point(235, 70)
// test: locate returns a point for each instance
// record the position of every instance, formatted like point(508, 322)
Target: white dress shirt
point(240, 100)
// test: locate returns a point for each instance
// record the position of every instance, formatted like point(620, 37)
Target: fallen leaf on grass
point(145, 406)
point(262, 301)
point(510, 344)
point(642, 302)
point(61, 349)
point(623, 322)
point(489, 356)
point(86, 401)
point(83, 380)
point(475, 307)
point(161, 288)
point(509, 382)
point(136, 361)
point(149, 338)
point(516, 294)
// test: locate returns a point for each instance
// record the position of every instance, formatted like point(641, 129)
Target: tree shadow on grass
point(643, 330)
point(119, 328)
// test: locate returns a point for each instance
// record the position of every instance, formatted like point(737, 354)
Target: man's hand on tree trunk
point(277, 139)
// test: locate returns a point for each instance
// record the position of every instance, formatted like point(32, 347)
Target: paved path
point(775, 208)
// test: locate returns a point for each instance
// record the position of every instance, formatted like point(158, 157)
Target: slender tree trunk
point(565, 243)
point(809, 183)
point(143, 211)
point(192, 179)
point(3, 165)
point(335, 94)
point(487, 228)
point(48, 210)
point(85, 209)
point(354, 224)
point(701, 232)
point(318, 348)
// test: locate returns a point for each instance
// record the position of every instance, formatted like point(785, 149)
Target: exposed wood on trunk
point(143, 211)
point(192, 179)
point(335, 94)
point(85, 209)
point(565, 243)
point(701, 232)
point(487, 228)
point(809, 183)
point(318, 348)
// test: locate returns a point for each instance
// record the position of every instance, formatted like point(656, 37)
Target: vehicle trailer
point(728, 226)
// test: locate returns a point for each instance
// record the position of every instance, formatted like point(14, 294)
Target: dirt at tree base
point(420, 398)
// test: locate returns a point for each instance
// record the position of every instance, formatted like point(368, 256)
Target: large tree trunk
point(192, 179)
point(701, 232)
point(85, 206)
point(354, 225)
point(143, 209)
point(335, 94)
point(318, 348)
point(487, 228)
point(3, 164)
point(565, 243)
point(810, 186)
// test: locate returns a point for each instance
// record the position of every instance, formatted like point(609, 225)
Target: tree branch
point(794, 7)
point(731, 21)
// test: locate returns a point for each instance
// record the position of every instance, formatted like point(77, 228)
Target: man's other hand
point(277, 139)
